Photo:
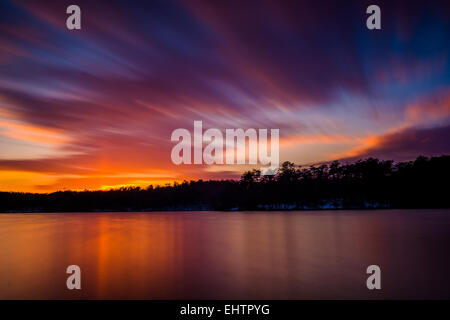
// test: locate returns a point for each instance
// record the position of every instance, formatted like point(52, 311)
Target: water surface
point(226, 255)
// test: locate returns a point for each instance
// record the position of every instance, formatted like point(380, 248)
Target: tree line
point(368, 183)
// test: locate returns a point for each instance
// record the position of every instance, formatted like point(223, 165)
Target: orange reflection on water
point(212, 255)
point(120, 255)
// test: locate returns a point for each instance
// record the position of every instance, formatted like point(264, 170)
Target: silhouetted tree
point(361, 184)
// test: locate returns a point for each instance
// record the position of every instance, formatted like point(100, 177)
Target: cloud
point(104, 100)
point(406, 144)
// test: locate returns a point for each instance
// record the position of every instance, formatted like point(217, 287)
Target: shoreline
point(230, 211)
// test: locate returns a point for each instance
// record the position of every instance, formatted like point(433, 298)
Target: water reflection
point(213, 255)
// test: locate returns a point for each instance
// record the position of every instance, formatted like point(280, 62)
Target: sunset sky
point(94, 108)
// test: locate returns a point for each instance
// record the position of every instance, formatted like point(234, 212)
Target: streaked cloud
point(85, 109)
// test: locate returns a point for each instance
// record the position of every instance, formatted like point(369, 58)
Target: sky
point(95, 108)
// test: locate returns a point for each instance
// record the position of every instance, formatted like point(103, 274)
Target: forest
point(364, 184)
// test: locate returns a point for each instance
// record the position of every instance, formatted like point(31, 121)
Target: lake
point(226, 255)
